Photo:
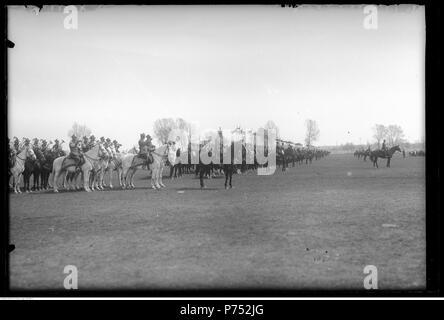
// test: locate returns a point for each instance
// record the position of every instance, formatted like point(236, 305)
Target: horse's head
point(397, 148)
point(102, 152)
point(30, 153)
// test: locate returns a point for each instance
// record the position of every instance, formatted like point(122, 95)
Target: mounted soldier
point(116, 145)
point(108, 142)
point(44, 145)
point(75, 153)
point(35, 143)
point(85, 144)
point(56, 146)
point(384, 147)
point(141, 143)
point(16, 144)
point(91, 142)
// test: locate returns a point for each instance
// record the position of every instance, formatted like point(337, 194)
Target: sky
point(217, 66)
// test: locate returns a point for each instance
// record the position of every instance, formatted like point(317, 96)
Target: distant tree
point(312, 133)
point(271, 125)
point(162, 129)
point(379, 133)
point(79, 130)
point(395, 135)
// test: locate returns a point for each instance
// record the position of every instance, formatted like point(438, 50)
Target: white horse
point(160, 155)
point(168, 151)
point(115, 164)
point(19, 166)
point(103, 166)
point(92, 158)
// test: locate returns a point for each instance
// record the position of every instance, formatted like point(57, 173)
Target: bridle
point(26, 156)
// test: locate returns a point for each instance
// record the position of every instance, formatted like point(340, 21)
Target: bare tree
point(379, 133)
point(395, 135)
point(312, 133)
point(79, 130)
point(162, 129)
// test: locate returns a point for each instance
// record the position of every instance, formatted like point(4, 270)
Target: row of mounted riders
point(38, 160)
point(373, 155)
point(284, 158)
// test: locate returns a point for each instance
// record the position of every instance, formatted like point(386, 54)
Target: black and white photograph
point(228, 147)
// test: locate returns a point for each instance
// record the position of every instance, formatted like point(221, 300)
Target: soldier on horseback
point(75, 151)
point(116, 145)
point(44, 146)
point(91, 142)
point(141, 144)
point(108, 142)
point(85, 143)
point(384, 147)
point(145, 148)
point(56, 147)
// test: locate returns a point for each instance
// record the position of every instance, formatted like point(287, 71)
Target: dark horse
point(228, 168)
point(46, 169)
point(33, 168)
point(374, 155)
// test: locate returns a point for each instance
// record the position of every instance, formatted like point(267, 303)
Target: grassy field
point(314, 226)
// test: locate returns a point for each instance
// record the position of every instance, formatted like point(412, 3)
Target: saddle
point(72, 162)
point(147, 158)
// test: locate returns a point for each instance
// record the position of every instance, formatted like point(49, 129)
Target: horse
point(115, 164)
point(227, 168)
point(374, 155)
point(19, 166)
point(131, 162)
point(92, 158)
point(46, 169)
point(33, 168)
point(103, 166)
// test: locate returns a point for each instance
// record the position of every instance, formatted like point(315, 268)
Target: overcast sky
point(217, 66)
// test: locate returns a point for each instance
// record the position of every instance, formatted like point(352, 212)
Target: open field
point(314, 226)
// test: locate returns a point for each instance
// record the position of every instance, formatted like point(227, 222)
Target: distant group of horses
point(373, 155)
point(417, 153)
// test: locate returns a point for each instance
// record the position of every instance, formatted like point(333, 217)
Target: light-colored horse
point(92, 159)
point(19, 166)
point(103, 166)
point(115, 164)
point(160, 155)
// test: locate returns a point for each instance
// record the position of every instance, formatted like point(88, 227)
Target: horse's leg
point(55, 176)
point(158, 173)
point(162, 166)
point(19, 178)
point(111, 173)
point(86, 173)
point(14, 182)
point(133, 173)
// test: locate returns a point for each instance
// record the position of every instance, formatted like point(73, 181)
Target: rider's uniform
point(142, 144)
point(74, 150)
